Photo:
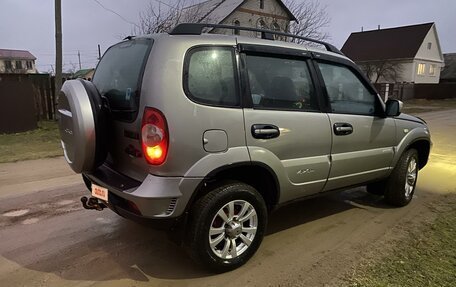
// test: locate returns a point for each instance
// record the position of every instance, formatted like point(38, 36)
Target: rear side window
point(347, 94)
point(281, 83)
point(209, 76)
point(119, 74)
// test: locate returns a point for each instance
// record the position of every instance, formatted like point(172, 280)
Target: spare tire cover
point(79, 112)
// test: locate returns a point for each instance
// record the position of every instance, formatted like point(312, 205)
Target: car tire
point(232, 214)
point(401, 184)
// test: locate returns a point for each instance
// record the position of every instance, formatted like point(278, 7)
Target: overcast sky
point(29, 24)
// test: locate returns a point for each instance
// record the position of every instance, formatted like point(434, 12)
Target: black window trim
point(276, 52)
point(185, 74)
point(8, 64)
point(338, 61)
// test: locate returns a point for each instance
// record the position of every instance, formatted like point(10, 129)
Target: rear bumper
point(156, 197)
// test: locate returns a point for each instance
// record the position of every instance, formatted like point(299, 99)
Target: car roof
point(250, 40)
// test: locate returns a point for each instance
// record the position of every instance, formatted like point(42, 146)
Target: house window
point(261, 4)
point(8, 65)
point(261, 25)
point(29, 65)
point(237, 31)
point(18, 65)
point(275, 26)
point(429, 45)
point(432, 70)
point(421, 69)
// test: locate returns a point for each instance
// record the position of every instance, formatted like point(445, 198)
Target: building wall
point(406, 74)
point(409, 73)
point(427, 78)
point(408, 70)
point(429, 56)
point(434, 53)
point(13, 64)
point(249, 14)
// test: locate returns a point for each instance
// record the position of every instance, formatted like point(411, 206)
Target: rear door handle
point(265, 131)
point(342, 129)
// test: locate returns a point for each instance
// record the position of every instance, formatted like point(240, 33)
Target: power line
point(114, 12)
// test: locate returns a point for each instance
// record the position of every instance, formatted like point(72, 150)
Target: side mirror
point(393, 108)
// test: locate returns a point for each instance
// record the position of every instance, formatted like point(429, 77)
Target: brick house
point(268, 14)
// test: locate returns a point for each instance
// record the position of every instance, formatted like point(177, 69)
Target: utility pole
point(79, 57)
point(58, 47)
point(99, 52)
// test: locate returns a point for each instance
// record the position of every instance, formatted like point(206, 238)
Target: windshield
point(119, 73)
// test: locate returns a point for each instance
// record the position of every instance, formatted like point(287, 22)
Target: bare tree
point(311, 18)
point(385, 70)
point(162, 18)
point(158, 18)
point(73, 68)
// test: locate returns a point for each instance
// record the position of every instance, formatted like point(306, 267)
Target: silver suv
point(213, 132)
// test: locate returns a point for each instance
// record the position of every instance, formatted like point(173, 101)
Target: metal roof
point(393, 43)
point(16, 54)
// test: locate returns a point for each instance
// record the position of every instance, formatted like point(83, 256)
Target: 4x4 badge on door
point(304, 171)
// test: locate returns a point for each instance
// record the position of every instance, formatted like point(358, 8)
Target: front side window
point(210, 76)
point(346, 93)
point(18, 65)
point(280, 83)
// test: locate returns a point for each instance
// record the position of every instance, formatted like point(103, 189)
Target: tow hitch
point(92, 203)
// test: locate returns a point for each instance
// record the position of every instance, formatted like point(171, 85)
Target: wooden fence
point(44, 96)
point(25, 100)
point(407, 91)
point(17, 104)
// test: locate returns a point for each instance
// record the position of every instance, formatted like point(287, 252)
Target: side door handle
point(265, 131)
point(342, 129)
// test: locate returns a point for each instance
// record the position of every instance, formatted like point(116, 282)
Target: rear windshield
point(118, 76)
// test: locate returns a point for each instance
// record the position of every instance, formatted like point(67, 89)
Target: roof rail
point(197, 29)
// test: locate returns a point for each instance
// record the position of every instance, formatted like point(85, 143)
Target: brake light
point(154, 136)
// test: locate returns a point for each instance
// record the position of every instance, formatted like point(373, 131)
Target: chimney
point(362, 29)
point(379, 27)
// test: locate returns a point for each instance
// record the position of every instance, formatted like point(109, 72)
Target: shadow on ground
point(111, 248)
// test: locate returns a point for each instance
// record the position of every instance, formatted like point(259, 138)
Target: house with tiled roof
point(17, 61)
point(411, 53)
point(270, 14)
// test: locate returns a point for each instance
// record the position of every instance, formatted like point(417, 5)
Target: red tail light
point(154, 136)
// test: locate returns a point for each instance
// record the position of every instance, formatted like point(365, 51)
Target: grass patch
point(39, 143)
point(426, 257)
point(417, 106)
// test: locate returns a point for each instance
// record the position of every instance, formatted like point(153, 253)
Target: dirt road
point(47, 239)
